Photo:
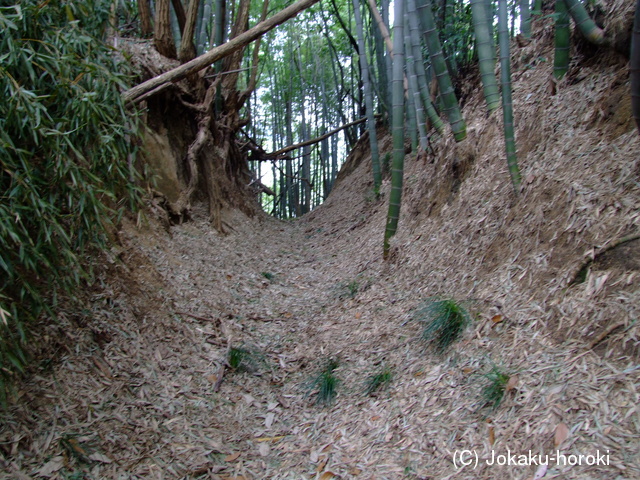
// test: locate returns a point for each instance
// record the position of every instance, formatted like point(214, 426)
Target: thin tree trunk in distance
point(525, 18)
point(368, 98)
point(206, 18)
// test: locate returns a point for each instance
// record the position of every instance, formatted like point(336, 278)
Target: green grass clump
point(242, 359)
point(326, 383)
point(353, 288)
point(267, 275)
point(445, 320)
point(379, 381)
point(494, 390)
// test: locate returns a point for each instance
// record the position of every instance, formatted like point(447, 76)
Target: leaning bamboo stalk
point(368, 98)
point(507, 102)
point(395, 197)
point(451, 107)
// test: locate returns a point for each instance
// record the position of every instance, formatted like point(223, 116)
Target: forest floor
point(129, 388)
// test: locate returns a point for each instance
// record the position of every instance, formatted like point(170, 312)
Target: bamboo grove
point(328, 77)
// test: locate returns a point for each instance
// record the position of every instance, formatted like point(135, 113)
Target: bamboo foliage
point(368, 98)
point(635, 66)
point(486, 54)
point(562, 39)
point(587, 26)
point(451, 108)
point(507, 103)
point(397, 128)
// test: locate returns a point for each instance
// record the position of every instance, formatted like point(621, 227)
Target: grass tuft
point(379, 381)
point(445, 320)
point(326, 383)
point(494, 390)
point(267, 275)
point(242, 359)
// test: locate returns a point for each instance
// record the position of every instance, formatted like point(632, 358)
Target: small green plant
point(445, 320)
point(267, 275)
point(379, 381)
point(494, 390)
point(242, 359)
point(353, 287)
point(326, 383)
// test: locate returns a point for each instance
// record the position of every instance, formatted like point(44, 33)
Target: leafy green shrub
point(65, 156)
point(493, 391)
point(444, 319)
point(379, 381)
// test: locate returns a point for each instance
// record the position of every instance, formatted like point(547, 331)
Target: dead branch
point(608, 331)
point(277, 153)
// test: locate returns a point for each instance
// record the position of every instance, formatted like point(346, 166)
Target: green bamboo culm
point(414, 88)
point(410, 107)
point(64, 176)
point(397, 129)
point(368, 98)
point(562, 36)
point(507, 103)
point(587, 26)
point(525, 18)
point(451, 107)
point(635, 66)
point(486, 54)
point(421, 74)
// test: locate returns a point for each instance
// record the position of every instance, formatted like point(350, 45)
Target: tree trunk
point(145, 18)
point(187, 47)
point(178, 9)
point(163, 38)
